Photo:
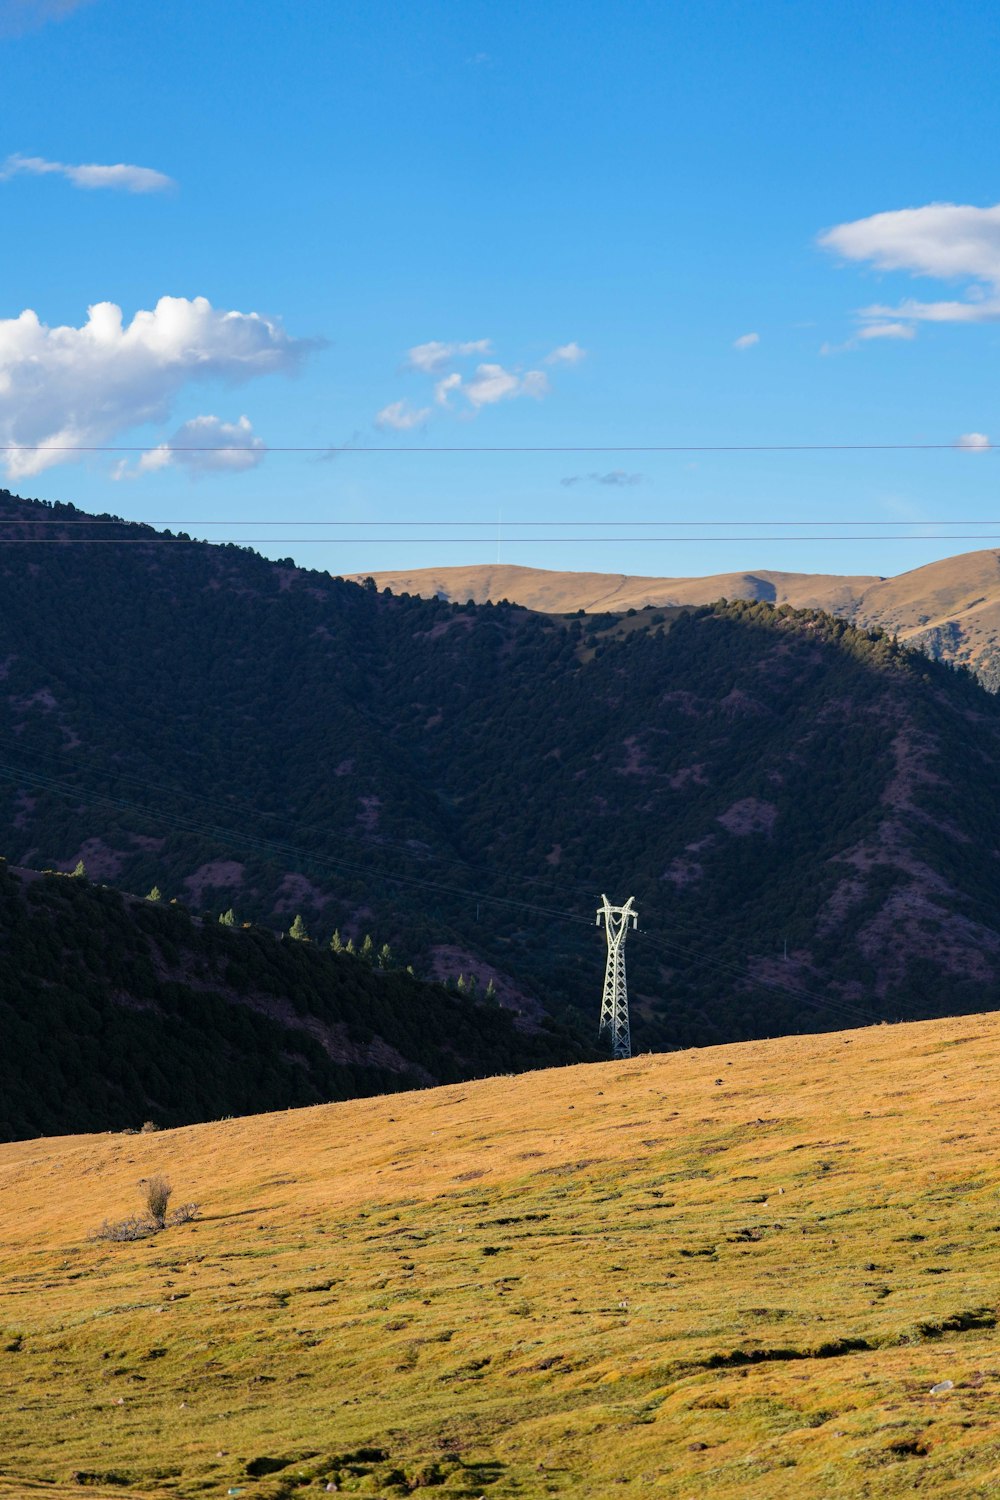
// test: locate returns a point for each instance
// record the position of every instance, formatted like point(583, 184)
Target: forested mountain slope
point(116, 1010)
point(950, 609)
point(806, 814)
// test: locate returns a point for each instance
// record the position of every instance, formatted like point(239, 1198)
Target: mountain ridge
point(949, 608)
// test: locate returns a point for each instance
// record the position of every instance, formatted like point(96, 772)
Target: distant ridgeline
point(807, 814)
point(115, 1011)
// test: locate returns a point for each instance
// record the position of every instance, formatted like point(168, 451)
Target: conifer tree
point(336, 944)
point(298, 930)
point(349, 946)
point(155, 894)
point(460, 984)
point(367, 948)
point(385, 957)
point(228, 918)
point(80, 873)
point(491, 991)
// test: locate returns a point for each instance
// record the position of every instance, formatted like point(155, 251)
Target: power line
point(491, 525)
point(466, 541)
point(345, 449)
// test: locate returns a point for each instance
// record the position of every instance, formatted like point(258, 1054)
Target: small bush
point(183, 1214)
point(121, 1230)
point(149, 1127)
point(157, 1197)
point(141, 1226)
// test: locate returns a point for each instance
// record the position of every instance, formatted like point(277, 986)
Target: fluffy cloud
point(616, 477)
point(974, 442)
point(18, 16)
point(943, 241)
point(125, 178)
point(746, 341)
point(70, 388)
point(566, 354)
point(204, 445)
point(400, 416)
point(429, 358)
point(492, 383)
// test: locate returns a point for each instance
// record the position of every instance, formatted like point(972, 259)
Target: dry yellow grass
point(736, 1271)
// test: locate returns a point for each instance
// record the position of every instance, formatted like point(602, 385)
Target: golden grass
point(736, 1271)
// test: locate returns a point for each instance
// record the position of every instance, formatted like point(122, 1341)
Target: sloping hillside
point(115, 1011)
point(807, 814)
point(759, 1273)
point(950, 609)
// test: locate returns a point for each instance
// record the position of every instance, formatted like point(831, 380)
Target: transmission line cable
point(346, 449)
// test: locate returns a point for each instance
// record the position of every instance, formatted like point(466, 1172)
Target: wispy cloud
point(444, 387)
point(616, 477)
point(566, 354)
point(431, 357)
point(120, 176)
point(204, 445)
point(941, 241)
point(70, 388)
point(400, 416)
point(466, 391)
point(746, 341)
point(974, 442)
point(19, 16)
point(887, 331)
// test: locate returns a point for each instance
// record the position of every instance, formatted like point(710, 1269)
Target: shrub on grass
point(157, 1197)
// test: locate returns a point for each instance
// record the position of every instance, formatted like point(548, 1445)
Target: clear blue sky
point(603, 198)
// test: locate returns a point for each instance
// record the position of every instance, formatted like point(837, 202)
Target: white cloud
point(616, 477)
point(492, 383)
point(70, 388)
point(465, 394)
point(445, 386)
point(400, 416)
point(746, 341)
point(204, 445)
point(433, 356)
point(974, 442)
point(566, 354)
point(18, 16)
point(942, 241)
point(121, 176)
point(976, 310)
point(887, 331)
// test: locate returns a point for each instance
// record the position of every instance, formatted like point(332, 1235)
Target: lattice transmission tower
point(614, 1005)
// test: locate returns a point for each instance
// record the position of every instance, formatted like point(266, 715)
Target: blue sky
point(439, 224)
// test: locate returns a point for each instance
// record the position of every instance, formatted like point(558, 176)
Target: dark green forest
point(806, 813)
point(116, 1011)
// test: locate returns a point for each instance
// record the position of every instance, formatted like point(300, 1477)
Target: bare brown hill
point(950, 609)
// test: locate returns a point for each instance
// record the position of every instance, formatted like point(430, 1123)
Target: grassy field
point(734, 1272)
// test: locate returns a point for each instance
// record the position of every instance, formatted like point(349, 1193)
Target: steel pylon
point(614, 1005)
